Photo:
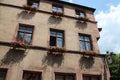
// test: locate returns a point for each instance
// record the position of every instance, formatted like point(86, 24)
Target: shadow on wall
point(51, 59)
point(25, 14)
point(13, 56)
point(86, 62)
point(81, 25)
point(54, 20)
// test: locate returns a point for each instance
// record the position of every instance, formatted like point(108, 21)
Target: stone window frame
point(34, 1)
point(65, 75)
point(90, 76)
point(63, 38)
point(26, 25)
point(58, 6)
point(80, 11)
point(33, 71)
point(90, 38)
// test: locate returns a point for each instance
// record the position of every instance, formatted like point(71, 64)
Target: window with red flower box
point(24, 34)
point(57, 10)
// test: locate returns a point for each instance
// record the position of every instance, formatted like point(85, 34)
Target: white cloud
point(71, 1)
point(110, 34)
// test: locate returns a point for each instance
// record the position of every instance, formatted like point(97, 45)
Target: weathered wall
point(37, 60)
point(11, 17)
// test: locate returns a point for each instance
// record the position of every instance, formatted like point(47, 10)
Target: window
point(64, 76)
point(85, 43)
point(25, 33)
point(91, 77)
point(34, 3)
point(58, 9)
point(3, 73)
point(56, 38)
point(27, 75)
point(80, 14)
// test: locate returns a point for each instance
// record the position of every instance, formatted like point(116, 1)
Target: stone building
point(49, 40)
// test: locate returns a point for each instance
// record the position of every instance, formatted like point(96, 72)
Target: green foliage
point(115, 67)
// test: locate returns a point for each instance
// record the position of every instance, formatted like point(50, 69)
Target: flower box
point(56, 50)
point(31, 8)
point(57, 13)
point(19, 44)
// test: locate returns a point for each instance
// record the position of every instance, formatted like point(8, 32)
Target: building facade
point(49, 40)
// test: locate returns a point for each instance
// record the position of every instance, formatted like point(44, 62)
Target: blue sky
point(107, 15)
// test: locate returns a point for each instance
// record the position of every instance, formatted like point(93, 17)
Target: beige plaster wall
point(12, 17)
point(38, 60)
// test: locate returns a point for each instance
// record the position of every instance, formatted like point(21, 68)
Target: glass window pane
point(95, 78)
point(52, 33)
point(82, 14)
point(86, 78)
point(54, 8)
point(87, 38)
point(59, 34)
point(28, 38)
point(82, 46)
point(91, 77)
point(35, 5)
point(52, 41)
point(31, 76)
point(58, 77)
point(60, 10)
point(69, 78)
point(21, 28)
point(81, 38)
point(29, 30)
point(88, 46)
point(29, 2)
point(77, 13)
point(60, 42)
point(3, 74)
point(20, 36)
